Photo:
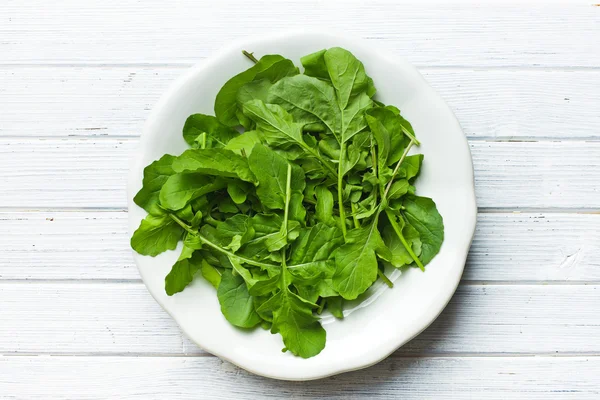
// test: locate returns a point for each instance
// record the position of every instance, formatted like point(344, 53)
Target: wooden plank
point(513, 247)
point(442, 34)
point(93, 173)
point(117, 318)
point(208, 377)
point(104, 101)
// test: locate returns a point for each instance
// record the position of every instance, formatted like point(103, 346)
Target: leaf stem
point(410, 135)
point(385, 278)
point(288, 197)
point(217, 247)
point(250, 56)
point(356, 221)
point(340, 191)
point(398, 231)
point(389, 185)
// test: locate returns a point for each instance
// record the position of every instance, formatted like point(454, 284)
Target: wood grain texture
point(487, 34)
point(93, 173)
point(507, 247)
point(109, 101)
point(90, 378)
point(117, 318)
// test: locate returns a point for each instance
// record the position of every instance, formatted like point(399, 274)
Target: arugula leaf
point(184, 187)
point(356, 261)
point(217, 162)
point(205, 131)
point(226, 102)
point(183, 271)
point(400, 255)
point(270, 170)
point(236, 303)
point(155, 176)
point(211, 273)
point(292, 317)
point(311, 254)
point(156, 234)
point(422, 214)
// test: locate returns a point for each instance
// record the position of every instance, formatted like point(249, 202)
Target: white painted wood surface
point(78, 79)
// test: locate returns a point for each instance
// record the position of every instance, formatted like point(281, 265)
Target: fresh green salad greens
point(301, 211)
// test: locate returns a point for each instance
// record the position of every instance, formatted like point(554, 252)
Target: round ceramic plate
point(382, 320)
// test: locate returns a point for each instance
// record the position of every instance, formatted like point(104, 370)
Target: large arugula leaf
point(226, 100)
point(311, 253)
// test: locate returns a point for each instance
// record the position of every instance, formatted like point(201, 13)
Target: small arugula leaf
point(311, 254)
point(335, 305)
point(238, 192)
point(156, 234)
point(385, 122)
point(211, 273)
point(292, 317)
point(356, 261)
point(270, 170)
point(226, 103)
point(400, 255)
point(236, 231)
point(398, 189)
point(183, 271)
point(256, 286)
point(236, 303)
point(244, 143)
point(155, 176)
point(218, 162)
point(423, 215)
point(205, 131)
point(324, 206)
point(184, 187)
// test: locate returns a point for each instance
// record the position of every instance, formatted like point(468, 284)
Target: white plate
point(387, 318)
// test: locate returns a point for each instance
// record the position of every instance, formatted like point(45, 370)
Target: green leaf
point(311, 255)
point(184, 187)
point(236, 231)
point(183, 271)
point(236, 303)
point(422, 214)
point(155, 176)
point(342, 69)
point(215, 133)
point(211, 274)
point(237, 192)
point(383, 122)
point(335, 305)
point(310, 100)
point(292, 317)
point(226, 102)
point(244, 143)
point(398, 189)
point(270, 170)
point(400, 255)
point(324, 206)
point(274, 124)
point(356, 261)
point(256, 286)
point(217, 162)
point(156, 234)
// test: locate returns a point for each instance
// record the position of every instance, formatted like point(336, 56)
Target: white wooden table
point(77, 80)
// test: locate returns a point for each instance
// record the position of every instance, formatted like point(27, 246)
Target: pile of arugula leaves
point(303, 209)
